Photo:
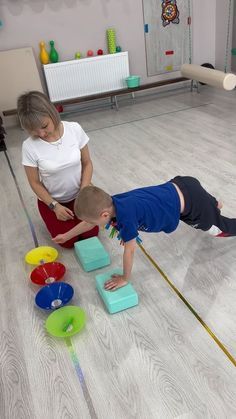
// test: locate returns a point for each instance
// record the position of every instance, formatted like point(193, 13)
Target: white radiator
point(87, 76)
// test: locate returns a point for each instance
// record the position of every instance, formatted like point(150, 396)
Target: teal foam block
point(91, 254)
point(118, 300)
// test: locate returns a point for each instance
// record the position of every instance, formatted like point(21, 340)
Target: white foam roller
point(209, 76)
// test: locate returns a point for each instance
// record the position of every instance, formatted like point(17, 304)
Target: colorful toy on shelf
point(43, 56)
point(99, 52)
point(66, 321)
point(78, 55)
point(53, 296)
point(40, 255)
point(118, 48)
point(54, 57)
point(47, 273)
point(111, 40)
point(89, 53)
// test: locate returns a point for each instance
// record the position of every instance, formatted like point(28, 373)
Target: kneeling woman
point(56, 161)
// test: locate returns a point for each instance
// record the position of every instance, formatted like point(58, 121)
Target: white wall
point(81, 24)
point(75, 25)
point(233, 57)
point(222, 14)
point(204, 29)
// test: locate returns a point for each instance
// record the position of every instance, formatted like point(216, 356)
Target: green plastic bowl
point(133, 81)
point(66, 321)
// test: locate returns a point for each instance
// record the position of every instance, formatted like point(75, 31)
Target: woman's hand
point(116, 281)
point(60, 238)
point(80, 228)
point(63, 213)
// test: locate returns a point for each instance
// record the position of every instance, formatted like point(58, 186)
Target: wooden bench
point(112, 94)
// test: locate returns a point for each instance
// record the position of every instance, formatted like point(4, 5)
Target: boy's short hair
point(32, 107)
point(91, 202)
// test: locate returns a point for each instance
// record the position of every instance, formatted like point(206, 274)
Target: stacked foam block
point(92, 255)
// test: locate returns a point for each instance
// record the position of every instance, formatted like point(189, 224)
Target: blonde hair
point(91, 202)
point(32, 107)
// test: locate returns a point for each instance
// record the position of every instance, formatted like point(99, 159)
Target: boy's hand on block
point(60, 238)
point(116, 281)
point(122, 298)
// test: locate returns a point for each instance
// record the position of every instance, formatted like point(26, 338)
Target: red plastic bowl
point(47, 273)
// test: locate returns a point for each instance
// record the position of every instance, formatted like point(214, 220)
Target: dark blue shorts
point(201, 210)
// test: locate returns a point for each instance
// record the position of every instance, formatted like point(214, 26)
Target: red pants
point(56, 226)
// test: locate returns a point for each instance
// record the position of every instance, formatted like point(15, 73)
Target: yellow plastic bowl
point(41, 254)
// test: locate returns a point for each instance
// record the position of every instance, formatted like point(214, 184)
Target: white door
point(167, 28)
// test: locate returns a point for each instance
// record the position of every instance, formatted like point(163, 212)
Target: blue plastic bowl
point(54, 296)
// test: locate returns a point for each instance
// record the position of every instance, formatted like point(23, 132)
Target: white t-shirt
point(59, 162)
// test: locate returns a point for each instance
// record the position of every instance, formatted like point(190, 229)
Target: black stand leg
point(2, 136)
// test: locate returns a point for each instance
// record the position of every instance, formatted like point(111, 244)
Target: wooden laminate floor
point(154, 361)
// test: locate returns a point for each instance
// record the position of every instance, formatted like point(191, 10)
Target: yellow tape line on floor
point(209, 331)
